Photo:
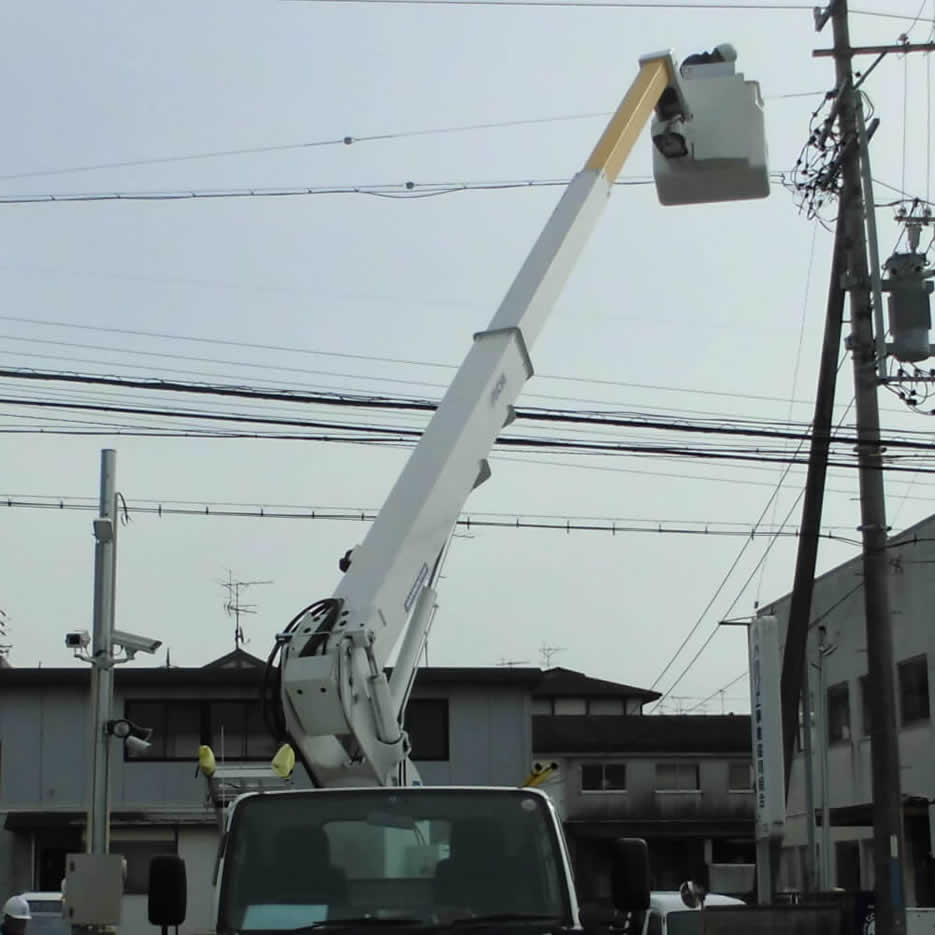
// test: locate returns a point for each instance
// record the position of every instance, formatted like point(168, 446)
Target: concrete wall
point(642, 800)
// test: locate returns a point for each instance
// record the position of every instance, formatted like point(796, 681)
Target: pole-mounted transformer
point(909, 284)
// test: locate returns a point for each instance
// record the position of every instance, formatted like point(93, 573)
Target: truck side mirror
point(168, 891)
point(629, 875)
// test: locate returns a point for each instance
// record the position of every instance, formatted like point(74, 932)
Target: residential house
point(683, 783)
point(467, 726)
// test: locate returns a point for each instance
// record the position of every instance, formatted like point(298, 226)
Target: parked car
point(47, 914)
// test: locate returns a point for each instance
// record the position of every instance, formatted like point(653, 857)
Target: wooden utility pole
point(887, 798)
point(794, 664)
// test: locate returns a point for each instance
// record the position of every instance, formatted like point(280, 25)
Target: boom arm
point(340, 712)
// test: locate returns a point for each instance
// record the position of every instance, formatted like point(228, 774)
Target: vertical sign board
point(766, 725)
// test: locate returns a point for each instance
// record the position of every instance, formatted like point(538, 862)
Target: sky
point(681, 314)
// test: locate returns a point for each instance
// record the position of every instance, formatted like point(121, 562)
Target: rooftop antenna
point(233, 606)
point(547, 652)
point(509, 663)
point(4, 623)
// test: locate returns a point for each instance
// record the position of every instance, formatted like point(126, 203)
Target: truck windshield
point(425, 855)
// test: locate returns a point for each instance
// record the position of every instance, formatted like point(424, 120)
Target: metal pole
point(888, 848)
point(870, 216)
point(825, 788)
point(105, 554)
point(809, 785)
point(764, 872)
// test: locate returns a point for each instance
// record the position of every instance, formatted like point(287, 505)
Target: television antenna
point(234, 607)
point(547, 652)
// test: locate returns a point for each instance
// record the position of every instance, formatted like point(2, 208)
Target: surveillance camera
point(78, 639)
point(135, 644)
point(137, 746)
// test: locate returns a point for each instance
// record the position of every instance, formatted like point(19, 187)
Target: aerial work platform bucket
point(709, 134)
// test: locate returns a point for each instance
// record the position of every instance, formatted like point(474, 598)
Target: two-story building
point(467, 726)
point(840, 696)
point(681, 782)
point(684, 783)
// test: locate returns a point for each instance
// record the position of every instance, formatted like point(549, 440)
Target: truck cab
point(423, 857)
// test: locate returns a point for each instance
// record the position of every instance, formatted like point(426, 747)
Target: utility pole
point(890, 915)
point(794, 672)
point(102, 673)
point(810, 861)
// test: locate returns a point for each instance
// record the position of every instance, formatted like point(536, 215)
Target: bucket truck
point(370, 845)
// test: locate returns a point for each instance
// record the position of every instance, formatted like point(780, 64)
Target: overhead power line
point(616, 4)
point(467, 521)
point(346, 140)
point(362, 434)
point(597, 381)
point(714, 694)
point(723, 426)
point(399, 190)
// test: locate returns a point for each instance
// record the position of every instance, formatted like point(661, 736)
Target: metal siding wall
point(6, 859)
point(490, 737)
point(20, 728)
point(64, 748)
point(44, 736)
point(199, 850)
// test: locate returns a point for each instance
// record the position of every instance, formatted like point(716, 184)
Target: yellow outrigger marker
point(206, 761)
point(284, 762)
point(540, 772)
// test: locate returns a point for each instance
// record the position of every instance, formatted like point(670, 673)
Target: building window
point(605, 706)
point(914, 690)
point(839, 713)
point(740, 776)
point(603, 777)
point(541, 705)
point(427, 725)
point(154, 716)
point(677, 777)
point(237, 730)
point(866, 712)
point(570, 706)
point(138, 854)
point(232, 728)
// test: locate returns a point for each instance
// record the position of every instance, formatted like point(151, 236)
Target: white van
point(670, 914)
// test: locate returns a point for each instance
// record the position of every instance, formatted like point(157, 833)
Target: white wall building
point(837, 673)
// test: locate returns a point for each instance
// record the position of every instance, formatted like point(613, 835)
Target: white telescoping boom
point(338, 709)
